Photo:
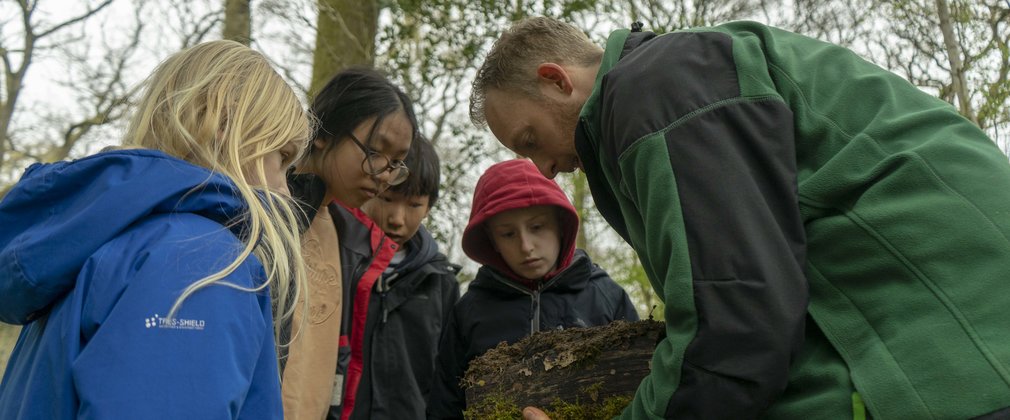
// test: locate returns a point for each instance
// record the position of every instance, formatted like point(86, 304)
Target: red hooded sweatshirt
point(509, 185)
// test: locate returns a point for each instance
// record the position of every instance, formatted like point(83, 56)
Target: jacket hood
point(60, 213)
point(511, 185)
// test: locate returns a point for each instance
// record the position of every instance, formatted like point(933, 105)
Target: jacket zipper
point(535, 323)
point(534, 300)
point(383, 290)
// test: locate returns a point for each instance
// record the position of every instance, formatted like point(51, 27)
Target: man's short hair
point(511, 64)
point(423, 164)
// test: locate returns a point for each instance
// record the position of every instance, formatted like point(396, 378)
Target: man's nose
point(547, 167)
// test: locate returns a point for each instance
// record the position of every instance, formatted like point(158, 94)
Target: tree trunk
point(237, 21)
point(954, 56)
point(579, 196)
point(579, 373)
point(345, 37)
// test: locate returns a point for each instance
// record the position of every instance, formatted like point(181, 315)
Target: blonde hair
point(222, 106)
point(512, 62)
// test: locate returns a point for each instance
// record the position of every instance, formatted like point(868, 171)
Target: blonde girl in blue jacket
point(145, 276)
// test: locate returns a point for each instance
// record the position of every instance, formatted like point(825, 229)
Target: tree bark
point(345, 37)
point(953, 48)
point(237, 21)
point(580, 373)
point(579, 195)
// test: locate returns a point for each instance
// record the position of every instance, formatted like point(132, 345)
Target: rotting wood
point(581, 373)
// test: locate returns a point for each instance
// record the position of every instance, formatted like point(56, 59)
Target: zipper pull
point(535, 322)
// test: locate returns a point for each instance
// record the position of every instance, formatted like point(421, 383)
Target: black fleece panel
point(603, 196)
point(1003, 413)
point(736, 180)
point(734, 164)
point(634, 40)
point(663, 80)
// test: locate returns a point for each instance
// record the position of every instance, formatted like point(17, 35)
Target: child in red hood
point(522, 229)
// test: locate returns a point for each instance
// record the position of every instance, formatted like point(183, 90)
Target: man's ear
point(554, 80)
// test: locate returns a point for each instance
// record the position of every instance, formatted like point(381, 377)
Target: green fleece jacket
point(829, 240)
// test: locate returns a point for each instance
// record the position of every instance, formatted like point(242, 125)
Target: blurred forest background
point(71, 70)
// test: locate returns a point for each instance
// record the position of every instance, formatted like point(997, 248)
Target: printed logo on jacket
point(174, 324)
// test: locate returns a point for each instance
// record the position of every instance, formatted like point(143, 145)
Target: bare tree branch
point(110, 97)
point(14, 77)
point(193, 24)
point(87, 14)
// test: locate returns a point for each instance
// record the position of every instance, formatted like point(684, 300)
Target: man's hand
point(533, 413)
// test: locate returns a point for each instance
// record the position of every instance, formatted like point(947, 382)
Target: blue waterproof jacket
point(93, 253)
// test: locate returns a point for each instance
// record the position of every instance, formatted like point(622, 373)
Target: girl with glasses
point(365, 128)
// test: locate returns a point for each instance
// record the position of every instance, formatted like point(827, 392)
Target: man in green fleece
point(830, 242)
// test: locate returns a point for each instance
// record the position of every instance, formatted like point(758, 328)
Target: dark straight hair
point(353, 96)
point(424, 179)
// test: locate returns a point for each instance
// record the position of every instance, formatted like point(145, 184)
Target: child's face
point(528, 239)
point(398, 215)
point(275, 165)
point(342, 167)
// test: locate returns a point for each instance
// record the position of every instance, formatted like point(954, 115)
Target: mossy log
point(579, 373)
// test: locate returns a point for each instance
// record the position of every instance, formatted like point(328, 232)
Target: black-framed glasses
point(376, 163)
